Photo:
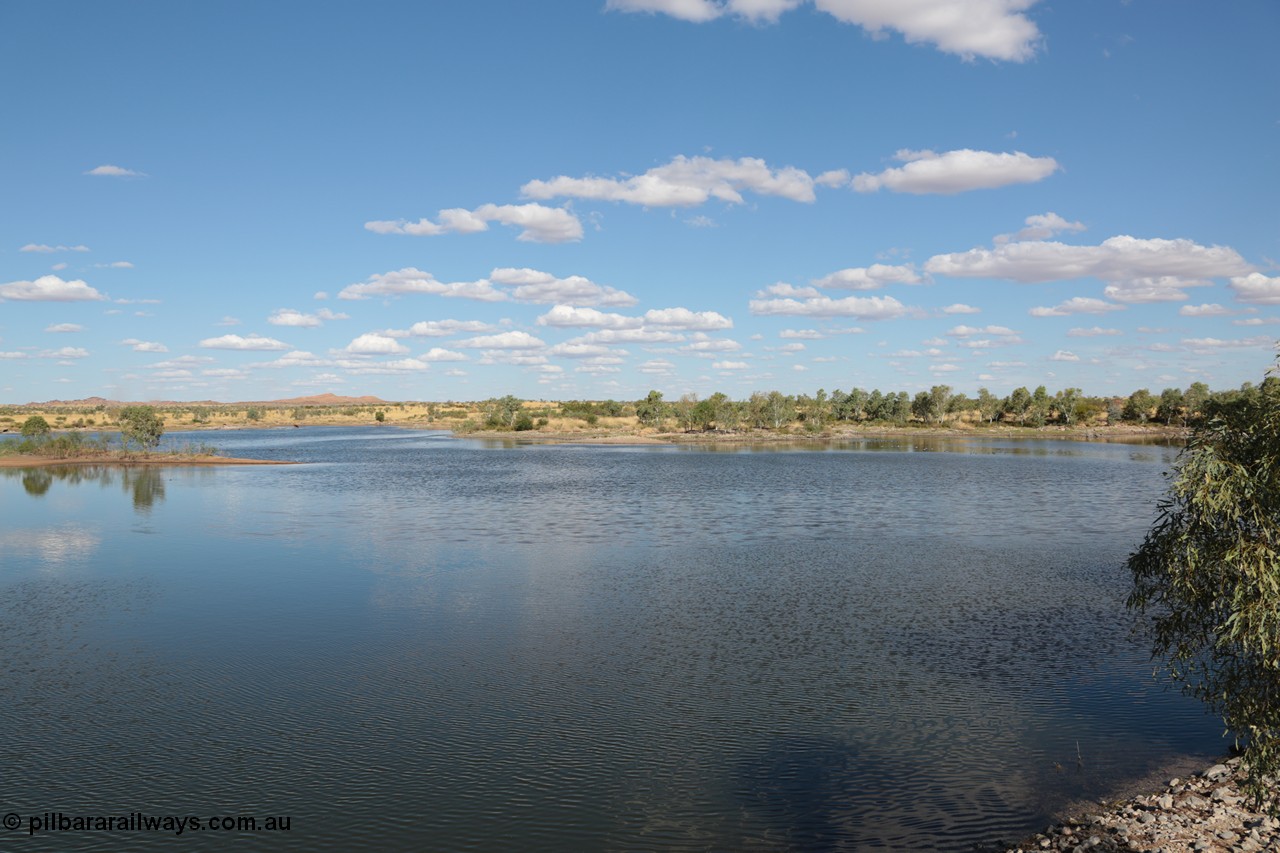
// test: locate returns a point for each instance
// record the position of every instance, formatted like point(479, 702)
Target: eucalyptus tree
point(1170, 406)
point(988, 405)
point(900, 411)
point(922, 406)
point(940, 402)
point(1139, 405)
point(651, 411)
point(876, 408)
point(141, 424)
point(1065, 403)
point(773, 410)
point(1194, 398)
point(1018, 404)
point(1039, 414)
point(725, 413)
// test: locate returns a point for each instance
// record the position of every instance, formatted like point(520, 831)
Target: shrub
point(35, 427)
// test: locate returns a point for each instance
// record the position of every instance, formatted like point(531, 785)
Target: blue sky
point(589, 199)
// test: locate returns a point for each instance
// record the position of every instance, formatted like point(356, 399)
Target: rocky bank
point(1206, 812)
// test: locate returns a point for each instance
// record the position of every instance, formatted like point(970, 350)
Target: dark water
point(419, 643)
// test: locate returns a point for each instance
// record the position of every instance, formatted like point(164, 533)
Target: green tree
point(1139, 405)
point(988, 405)
point(703, 415)
point(35, 427)
point(1207, 578)
point(1170, 406)
point(254, 414)
point(1039, 413)
point(877, 410)
point(1194, 398)
point(939, 402)
point(771, 411)
point(900, 407)
point(141, 425)
point(379, 416)
point(502, 411)
point(922, 406)
point(1065, 402)
point(1018, 405)
point(683, 410)
point(651, 410)
point(724, 412)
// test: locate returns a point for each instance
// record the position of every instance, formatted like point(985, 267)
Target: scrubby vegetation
point(940, 407)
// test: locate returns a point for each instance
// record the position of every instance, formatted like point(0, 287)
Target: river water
point(419, 642)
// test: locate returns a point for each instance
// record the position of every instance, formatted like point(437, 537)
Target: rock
point(1217, 771)
point(1164, 801)
point(1222, 795)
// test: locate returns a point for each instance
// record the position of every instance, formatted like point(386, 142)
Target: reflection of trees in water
point(145, 484)
point(36, 482)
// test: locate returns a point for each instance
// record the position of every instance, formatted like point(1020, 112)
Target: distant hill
point(313, 400)
point(328, 400)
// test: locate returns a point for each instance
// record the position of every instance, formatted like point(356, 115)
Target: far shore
point(20, 460)
point(1105, 434)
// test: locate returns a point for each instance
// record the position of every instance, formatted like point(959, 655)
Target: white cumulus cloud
point(1206, 310)
point(45, 249)
point(144, 346)
point(531, 285)
point(65, 352)
point(683, 318)
point(957, 171)
point(684, 182)
point(1254, 287)
point(412, 280)
point(539, 224)
point(869, 278)
point(1135, 269)
point(1093, 332)
point(441, 354)
point(503, 341)
point(64, 327)
point(1040, 226)
point(993, 29)
point(443, 328)
point(373, 343)
point(49, 288)
point(248, 342)
point(110, 171)
point(567, 316)
point(1076, 305)
point(862, 307)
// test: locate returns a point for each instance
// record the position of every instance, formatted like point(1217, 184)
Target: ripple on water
point(423, 644)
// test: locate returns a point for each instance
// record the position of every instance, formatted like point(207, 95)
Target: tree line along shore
point(762, 414)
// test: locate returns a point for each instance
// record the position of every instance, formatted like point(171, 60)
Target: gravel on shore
point(1205, 812)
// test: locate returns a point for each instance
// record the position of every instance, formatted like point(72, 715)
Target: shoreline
point(1121, 435)
point(1204, 810)
point(167, 460)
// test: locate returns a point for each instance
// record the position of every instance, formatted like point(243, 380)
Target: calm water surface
point(416, 642)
